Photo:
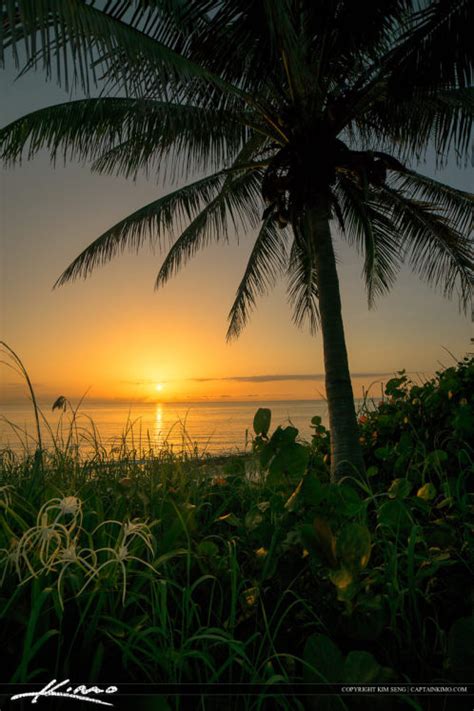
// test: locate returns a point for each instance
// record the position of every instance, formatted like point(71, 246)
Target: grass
point(248, 570)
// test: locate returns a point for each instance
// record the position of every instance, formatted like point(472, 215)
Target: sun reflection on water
point(158, 433)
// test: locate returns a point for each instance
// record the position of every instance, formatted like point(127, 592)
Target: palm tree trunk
point(346, 453)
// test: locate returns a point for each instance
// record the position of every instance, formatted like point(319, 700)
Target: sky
point(115, 338)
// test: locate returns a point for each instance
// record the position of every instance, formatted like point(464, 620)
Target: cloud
point(281, 378)
point(13, 391)
point(271, 378)
point(12, 388)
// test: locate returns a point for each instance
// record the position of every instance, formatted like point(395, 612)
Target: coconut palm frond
point(442, 119)
point(268, 259)
point(420, 60)
point(452, 115)
point(94, 128)
point(367, 32)
point(288, 43)
point(230, 46)
point(238, 200)
point(437, 252)
point(182, 153)
point(80, 42)
point(160, 218)
point(371, 229)
point(457, 206)
point(168, 22)
point(302, 283)
point(417, 65)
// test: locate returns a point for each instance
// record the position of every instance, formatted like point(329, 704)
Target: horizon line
point(130, 404)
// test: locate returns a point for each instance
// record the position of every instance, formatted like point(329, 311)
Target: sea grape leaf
point(325, 540)
point(318, 539)
point(262, 421)
point(395, 386)
point(353, 547)
point(283, 436)
point(394, 515)
point(253, 519)
point(360, 668)
point(463, 421)
point(290, 462)
point(349, 503)
point(311, 490)
point(399, 489)
point(287, 435)
point(345, 584)
point(427, 492)
point(322, 654)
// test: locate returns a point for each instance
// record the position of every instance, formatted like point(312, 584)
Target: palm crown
point(296, 111)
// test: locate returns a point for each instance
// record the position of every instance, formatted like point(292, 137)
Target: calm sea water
point(211, 427)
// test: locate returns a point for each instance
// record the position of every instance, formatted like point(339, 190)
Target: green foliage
point(324, 657)
point(179, 568)
point(324, 662)
point(328, 664)
point(285, 458)
point(261, 421)
point(353, 547)
point(421, 426)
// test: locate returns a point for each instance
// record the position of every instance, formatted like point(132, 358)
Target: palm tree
point(286, 117)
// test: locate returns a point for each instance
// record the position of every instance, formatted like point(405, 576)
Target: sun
point(159, 387)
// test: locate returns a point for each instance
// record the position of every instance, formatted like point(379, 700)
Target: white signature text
point(81, 692)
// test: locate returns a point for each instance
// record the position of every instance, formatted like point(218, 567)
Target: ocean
point(205, 427)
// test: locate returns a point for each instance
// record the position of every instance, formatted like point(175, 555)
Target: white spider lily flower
point(70, 505)
point(9, 556)
point(66, 506)
point(122, 553)
point(132, 527)
point(137, 529)
point(43, 542)
point(69, 554)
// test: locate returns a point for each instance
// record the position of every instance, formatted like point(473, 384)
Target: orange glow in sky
point(114, 335)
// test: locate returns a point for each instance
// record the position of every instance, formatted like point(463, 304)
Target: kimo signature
point(57, 689)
